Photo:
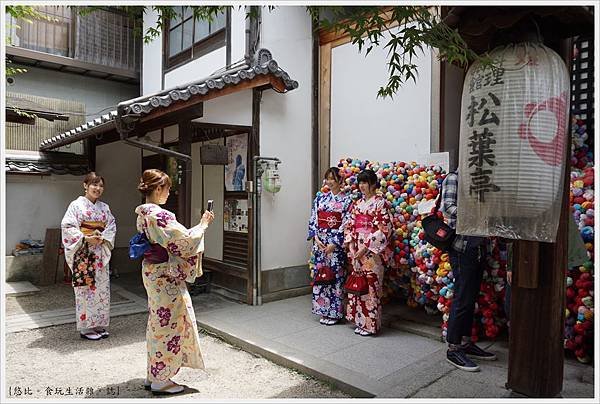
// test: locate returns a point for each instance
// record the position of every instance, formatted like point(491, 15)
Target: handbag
point(138, 245)
point(84, 262)
point(356, 284)
point(324, 276)
point(437, 232)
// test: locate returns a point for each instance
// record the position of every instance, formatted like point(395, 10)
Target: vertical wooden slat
point(526, 263)
point(325, 108)
point(52, 243)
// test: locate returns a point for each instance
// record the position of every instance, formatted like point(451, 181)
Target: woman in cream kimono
point(367, 236)
point(174, 258)
point(89, 224)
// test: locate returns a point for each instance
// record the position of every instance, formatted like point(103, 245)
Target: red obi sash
point(156, 254)
point(329, 220)
point(364, 223)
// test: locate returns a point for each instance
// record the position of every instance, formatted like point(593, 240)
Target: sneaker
point(458, 358)
point(323, 320)
point(365, 333)
point(473, 351)
point(357, 330)
point(330, 321)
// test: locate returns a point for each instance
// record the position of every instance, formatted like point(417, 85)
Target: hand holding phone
point(210, 205)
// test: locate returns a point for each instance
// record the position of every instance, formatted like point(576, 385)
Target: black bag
point(437, 232)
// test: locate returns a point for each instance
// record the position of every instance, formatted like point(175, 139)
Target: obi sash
point(364, 223)
point(156, 254)
point(88, 227)
point(329, 220)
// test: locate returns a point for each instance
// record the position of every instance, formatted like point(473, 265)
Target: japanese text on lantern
point(482, 117)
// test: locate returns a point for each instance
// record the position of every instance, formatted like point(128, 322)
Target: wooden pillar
point(185, 191)
point(537, 314)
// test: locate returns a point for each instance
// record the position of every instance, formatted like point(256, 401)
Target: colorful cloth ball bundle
point(418, 272)
point(579, 316)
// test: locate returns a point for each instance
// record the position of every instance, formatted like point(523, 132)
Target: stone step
point(25, 322)
point(15, 289)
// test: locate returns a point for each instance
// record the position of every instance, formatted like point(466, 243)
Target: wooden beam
point(202, 125)
point(314, 101)
point(324, 109)
point(527, 263)
point(537, 322)
point(183, 105)
point(337, 38)
point(185, 188)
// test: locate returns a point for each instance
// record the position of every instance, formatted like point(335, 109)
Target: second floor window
point(190, 38)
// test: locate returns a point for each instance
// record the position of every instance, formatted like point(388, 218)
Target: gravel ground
point(52, 297)
point(56, 358)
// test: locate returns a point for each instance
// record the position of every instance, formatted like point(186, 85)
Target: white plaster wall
point(366, 127)
point(99, 96)
point(238, 33)
point(197, 69)
point(120, 165)
point(232, 109)
point(151, 57)
point(285, 132)
point(36, 203)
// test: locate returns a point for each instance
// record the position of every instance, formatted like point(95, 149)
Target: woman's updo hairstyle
point(152, 179)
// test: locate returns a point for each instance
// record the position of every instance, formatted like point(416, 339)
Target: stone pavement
point(406, 360)
point(395, 364)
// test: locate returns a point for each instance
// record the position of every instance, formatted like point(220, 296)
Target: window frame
point(213, 41)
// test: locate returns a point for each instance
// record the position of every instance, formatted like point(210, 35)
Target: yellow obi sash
point(88, 227)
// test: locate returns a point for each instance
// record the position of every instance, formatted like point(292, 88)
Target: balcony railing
point(104, 37)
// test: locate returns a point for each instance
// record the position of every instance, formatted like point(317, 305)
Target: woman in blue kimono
point(326, 229)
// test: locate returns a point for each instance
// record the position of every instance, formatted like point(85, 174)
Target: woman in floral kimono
point(88, 236)
point(174, 258)
point(366, 235)
point(329, 212)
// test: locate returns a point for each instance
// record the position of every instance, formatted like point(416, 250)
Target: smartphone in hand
point(210, 205)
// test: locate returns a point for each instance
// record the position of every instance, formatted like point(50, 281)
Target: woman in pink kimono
point(88, 236)
point(174, 258)
point(366, 236)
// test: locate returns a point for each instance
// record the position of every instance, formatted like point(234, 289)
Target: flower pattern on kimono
point(172, 289)
point(327, 300)
point(173, 344)
point(164, 313)
point(163, 218)
point(177, 341)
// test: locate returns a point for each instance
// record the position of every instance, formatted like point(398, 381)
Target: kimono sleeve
point(379, 238)
point(349, 223)
point(312, 223)
point(72, 237)
point(163, 229)
point(110, 231)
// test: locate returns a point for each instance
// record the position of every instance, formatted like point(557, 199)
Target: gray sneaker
point(459, 358)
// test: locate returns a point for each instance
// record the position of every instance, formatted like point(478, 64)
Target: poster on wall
point(235, 170)
point(235, 215)
point(173, 171)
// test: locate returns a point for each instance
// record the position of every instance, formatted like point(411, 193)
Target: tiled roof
point(264, 65)
point(18, 162)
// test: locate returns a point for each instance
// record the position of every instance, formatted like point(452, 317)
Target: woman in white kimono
point(174, 258)
point(88, 236)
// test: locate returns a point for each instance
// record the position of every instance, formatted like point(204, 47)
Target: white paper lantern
point(513, 138)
